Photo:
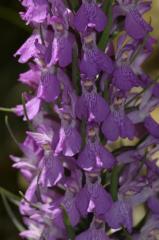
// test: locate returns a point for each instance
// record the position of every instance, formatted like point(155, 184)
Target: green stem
point(10, 196)
point(105, 35)
point(75, 70)
point(74, 4)
point(10, 131)
point(70, 230)
point(114, 181)
point(12, 216)
point(127, 235)
point(2, 109)
point(83, 132)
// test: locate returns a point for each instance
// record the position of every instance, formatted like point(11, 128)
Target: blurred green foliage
point(13, 33)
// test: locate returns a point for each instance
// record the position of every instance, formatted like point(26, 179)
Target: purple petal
point(52, 172)
point(107, 127)
point(28, 49)
point(120, 214)
point(82, 201)
point(152, 127)
point(50, 87)
point(140, 26)
point(124, 78)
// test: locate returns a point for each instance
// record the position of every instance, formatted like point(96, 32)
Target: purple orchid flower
point(83, 99)
point(140, 27)
point(94, 60)
point(91, 105)
point(94, 156)
point(120, 214)
point(91, 198)
point(28, 50)
point(118, 121)
point(62, 45)
point(88, 15)
point(93, 234)
point(69, 142)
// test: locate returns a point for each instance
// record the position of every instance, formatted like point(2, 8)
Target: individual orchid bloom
point(62, 45)
point(118, 121)
point(93, 233)
point(37, 11)
point(28, 50)
point(128, 72)
point(140, 27)
point(95, 156)
point(50, 86)
point(34, 230)
point(59, 9)
point(90, 15)
point(93, 59)
point(31, 77)
point(91, 106)
point(32, 107)
point(149, 101)
point(120, 214)
point(69, 142)
point(132, 13)
point(124, 78)
point(48, 90)
point(91, 198)
point(52, 170)
point(29, 162)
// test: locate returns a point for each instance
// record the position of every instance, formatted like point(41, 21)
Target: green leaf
point(12, 216)
point(70, 230)
point(105, 35)
point(75, 71)
point(13, 17)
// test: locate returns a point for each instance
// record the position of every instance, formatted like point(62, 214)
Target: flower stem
point(114, 181)
point(105, 36)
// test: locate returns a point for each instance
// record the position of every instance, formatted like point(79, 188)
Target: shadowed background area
point(13, 34)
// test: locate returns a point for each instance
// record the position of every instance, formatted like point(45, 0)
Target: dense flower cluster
point(88, 90)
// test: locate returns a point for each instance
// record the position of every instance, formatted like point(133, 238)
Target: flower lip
point(118, 101)
point(58, 27)
point(89, 39)
point(91, 132)
point(88, 85)
point(57, 23)
point(67, 116)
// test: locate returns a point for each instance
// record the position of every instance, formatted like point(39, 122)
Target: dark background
point(12, 34)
